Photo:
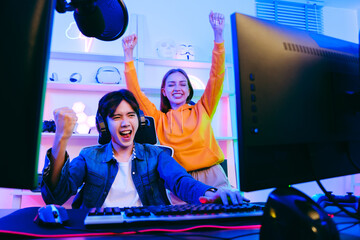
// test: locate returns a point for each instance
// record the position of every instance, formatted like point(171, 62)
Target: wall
point(184, 21)
point(341, 23)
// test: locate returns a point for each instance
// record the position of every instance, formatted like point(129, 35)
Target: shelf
point(50, 136)
point(120, 59)
point(86, 57)
point(92, 87)
point(178, 63)
point(47, 135)
point(98, 87)
point(24, 192)
point(225, 138)
point(175, 62)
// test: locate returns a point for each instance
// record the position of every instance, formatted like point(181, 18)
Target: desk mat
point(21, 223)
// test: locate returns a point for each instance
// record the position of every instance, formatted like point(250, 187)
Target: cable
point(348, 227)
point(336, 213)
point(328, 194)
point(342, 223)
point(350, 158)
point(245, 235)
point(246, 227)
point(208, 236)
point(336, 203)
point(188, 235)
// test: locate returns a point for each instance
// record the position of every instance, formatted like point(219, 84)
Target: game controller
point(348, 200)
point(49, 126)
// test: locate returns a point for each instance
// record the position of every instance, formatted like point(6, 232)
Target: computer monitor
point(298, 104)
point(25, 41)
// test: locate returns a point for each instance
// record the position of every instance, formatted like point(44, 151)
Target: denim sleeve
point(177, 180)
point(68, 183)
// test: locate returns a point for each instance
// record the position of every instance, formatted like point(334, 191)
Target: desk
point(18, 195)
point(22, 221)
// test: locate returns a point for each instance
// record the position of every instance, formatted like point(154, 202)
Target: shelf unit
point(229, 141)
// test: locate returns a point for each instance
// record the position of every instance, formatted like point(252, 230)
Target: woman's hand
point(129, 43)
point(223, 195)
point(217, 21)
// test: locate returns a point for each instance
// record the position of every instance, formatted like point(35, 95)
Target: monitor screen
point(25, 41)
point(298, 104)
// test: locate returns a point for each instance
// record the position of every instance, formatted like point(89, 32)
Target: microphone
point(105, 20)
point(89, 19)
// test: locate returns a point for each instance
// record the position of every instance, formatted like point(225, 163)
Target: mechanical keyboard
point(170, 214)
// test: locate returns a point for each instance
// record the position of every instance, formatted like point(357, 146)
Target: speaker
point(290, 214)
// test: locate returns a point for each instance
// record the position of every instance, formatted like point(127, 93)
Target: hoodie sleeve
point(132, 84)
point(214, 87)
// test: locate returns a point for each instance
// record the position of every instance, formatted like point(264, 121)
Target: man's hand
point(65, 121)
point(223, 195)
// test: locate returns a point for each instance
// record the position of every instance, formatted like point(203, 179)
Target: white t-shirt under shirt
point(123, 192)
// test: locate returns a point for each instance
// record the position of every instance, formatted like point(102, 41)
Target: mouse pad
point(21, 222)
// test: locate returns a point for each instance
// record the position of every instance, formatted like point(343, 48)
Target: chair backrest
point(147, 134)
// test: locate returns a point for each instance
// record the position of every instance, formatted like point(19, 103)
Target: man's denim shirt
point(94, 170)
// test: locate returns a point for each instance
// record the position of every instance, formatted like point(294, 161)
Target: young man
point(119, 172)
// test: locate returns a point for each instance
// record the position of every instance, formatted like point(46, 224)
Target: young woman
point(119, 172)
point(183, 126)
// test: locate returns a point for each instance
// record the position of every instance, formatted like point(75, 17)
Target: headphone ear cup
point(142, 119)
point(104, 134)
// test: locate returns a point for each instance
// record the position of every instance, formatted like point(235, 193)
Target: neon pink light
point(73, 33)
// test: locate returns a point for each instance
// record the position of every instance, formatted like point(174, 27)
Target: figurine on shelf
point(166, 49)
point(54, 77)
point(185, 51)
point(75, 78)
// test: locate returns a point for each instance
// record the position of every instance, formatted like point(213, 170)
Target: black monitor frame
point(25, 45)
point(296, 98)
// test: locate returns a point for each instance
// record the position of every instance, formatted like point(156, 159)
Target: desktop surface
point(22, 222)
point(20, 225)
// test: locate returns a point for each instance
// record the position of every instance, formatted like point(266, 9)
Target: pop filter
point(105, 20)
point(115, 18)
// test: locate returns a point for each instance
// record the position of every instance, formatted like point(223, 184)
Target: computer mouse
point(290, 214)
point(51, 215)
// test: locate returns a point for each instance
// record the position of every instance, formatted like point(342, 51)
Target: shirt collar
point(138, 152)
point(108, 153)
